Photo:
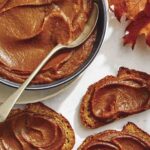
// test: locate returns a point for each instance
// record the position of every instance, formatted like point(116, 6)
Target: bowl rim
point(99, 40)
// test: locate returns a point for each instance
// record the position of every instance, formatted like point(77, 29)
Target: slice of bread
point(109, 136)
point(128, 79)
point(41, 110)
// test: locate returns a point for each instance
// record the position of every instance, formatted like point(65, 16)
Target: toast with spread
point(115, 97)
point(130, 138)
point(36, 127)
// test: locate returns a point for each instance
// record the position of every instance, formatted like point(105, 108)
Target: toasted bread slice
point(111, 139)
point(40, 109)
point(103, 100)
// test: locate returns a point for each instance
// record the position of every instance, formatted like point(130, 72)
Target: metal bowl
point(101, 28)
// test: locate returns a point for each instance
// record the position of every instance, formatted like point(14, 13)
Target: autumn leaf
point(127, 8)
point(137, 13)
point(134, 7)
point(139, 26)
point(118, 7)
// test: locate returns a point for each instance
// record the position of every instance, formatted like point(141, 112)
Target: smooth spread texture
point(117, 140)
point(28, 130)
point(29, 29)
point(115, 97)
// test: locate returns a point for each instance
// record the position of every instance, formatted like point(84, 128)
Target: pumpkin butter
point(29, 29)
point(36, 127)
point(27, 131)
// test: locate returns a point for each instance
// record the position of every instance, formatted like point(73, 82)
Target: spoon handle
point(6, 107)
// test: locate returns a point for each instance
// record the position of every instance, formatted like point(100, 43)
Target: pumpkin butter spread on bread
point(115, 97)
point(36, 127)
point(130, 138)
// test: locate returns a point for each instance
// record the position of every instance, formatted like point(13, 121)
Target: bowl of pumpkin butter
point(30, 29)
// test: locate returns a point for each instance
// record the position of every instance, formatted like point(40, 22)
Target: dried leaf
point(134, 7)
point(128, 8)
point(137, 13)
point(118, 7)
point(139, 26)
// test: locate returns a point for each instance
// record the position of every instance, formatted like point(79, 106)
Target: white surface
point(107, 62)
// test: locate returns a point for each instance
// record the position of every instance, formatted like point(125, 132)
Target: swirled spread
point(118, 96)
point(32, 131)
point(28, 132)
point(29, 29)
point(116, 140)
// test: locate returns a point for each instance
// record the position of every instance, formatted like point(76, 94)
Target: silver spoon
point(6, 107)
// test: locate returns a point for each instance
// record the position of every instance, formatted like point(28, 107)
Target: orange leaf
point(139, 26)
point(128, 8)
point(118, 7)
